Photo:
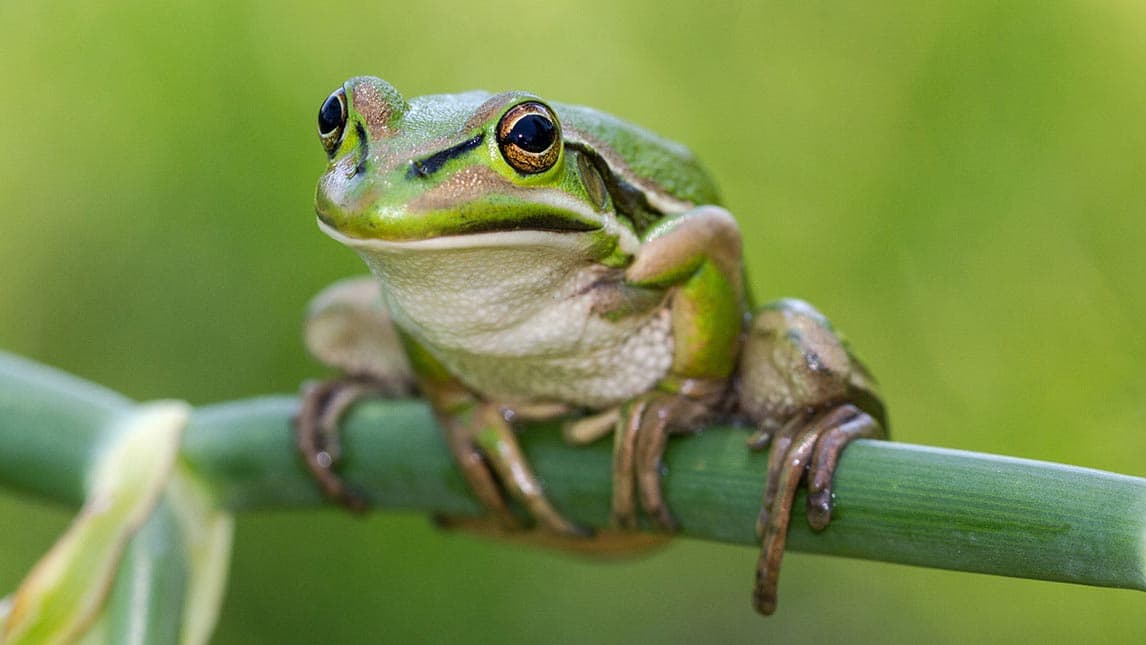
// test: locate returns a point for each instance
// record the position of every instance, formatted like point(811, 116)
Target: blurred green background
point(960, 186)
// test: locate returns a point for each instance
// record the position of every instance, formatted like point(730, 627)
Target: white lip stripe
point(551, 239)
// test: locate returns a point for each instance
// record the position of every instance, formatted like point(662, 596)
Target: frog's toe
point(624, 511)
point(586, 430)
point(853, 424)
point(789, 455)
point(781, 442)
point(651, 443)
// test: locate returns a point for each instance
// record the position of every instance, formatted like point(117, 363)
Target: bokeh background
point(959, 185)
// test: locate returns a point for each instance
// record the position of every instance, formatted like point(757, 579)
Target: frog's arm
point(697, 252)
point(695, 256)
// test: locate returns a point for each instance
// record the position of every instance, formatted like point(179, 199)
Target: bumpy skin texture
point(544, 261)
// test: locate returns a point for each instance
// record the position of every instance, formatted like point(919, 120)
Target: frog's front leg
point(640, 439)
point(808, 397)
point(485, 448)
point(696, 257)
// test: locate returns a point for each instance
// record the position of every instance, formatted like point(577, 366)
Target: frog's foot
point(490, 458)
point(807, 445)
point(642, 433)
point(317, 434)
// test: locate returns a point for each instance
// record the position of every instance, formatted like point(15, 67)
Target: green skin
point(537, 260)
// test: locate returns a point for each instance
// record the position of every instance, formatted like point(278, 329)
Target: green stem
point(894, 502)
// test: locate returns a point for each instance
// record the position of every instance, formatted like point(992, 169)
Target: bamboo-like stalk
point(894, 502)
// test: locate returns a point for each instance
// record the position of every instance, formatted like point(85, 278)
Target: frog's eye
point(332, 120)
point(529, 138)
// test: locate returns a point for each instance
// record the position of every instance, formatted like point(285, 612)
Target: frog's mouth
point(522, 235)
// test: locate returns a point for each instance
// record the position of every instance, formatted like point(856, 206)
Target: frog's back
point(647, 157)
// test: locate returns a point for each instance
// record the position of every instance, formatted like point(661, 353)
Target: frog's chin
point(487, 239)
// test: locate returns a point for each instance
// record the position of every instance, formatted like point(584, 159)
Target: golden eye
point(332, 120)
point(529, 138)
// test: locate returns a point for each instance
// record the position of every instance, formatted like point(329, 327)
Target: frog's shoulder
point(642, 157)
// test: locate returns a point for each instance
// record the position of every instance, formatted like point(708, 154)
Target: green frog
point(536, 260)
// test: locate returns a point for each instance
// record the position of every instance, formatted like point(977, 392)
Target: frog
point(535, 260)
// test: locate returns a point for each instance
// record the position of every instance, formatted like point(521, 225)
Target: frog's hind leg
point(809, 398)
point(807, 448)
point(347, 328)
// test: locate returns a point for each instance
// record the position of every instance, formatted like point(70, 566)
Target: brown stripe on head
point(463, 186)
point(376, 106)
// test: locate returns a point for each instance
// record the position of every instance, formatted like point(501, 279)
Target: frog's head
point(456, 167)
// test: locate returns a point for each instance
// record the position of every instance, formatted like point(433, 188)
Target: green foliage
point(957, 185)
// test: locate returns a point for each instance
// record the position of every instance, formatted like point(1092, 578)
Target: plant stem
point(893, 502)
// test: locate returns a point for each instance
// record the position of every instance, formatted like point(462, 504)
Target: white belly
point(516, 322)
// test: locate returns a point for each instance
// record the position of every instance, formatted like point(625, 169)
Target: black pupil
point(533, 133)
point(330, 116)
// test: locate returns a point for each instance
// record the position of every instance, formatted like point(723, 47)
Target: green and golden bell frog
point(536, 260)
